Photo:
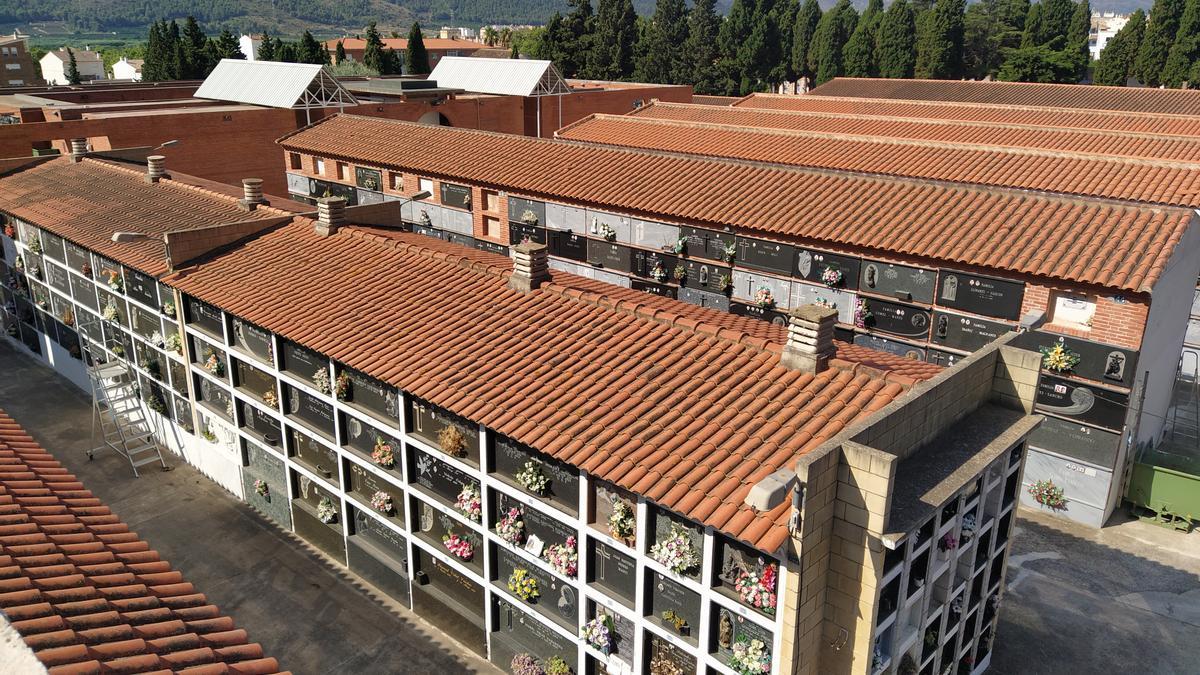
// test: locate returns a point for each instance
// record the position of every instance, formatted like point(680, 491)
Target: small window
point(319, 166)
point(426, 185)
point(342, 171)
point(396, 180)
point(13, 66)
point(16, 82)
point(294, 159)
point(1073, 311)
point(491, 227)
point(491, 201)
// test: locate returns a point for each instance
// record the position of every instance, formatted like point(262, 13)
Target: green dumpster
point(1166, 483)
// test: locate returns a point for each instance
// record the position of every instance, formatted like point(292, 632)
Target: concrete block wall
point(818, 471)
point(1014, 384)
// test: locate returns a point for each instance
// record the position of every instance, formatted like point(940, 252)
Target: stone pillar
point(531, 266)
point(810, 339)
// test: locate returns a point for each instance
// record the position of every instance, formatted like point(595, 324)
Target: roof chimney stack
point(155, 168)
point(78, 149)
point(531, 266)
point(810, 339)
point(252, 193)
point(331, 214)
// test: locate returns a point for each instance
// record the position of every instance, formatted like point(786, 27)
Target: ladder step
point(141, 448)
point(108, 370)
point(146, 460)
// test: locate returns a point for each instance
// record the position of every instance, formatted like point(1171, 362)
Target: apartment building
point(18, 67)
point(554, 470)
point(56, 62)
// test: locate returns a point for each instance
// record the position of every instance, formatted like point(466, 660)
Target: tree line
point(763, 43)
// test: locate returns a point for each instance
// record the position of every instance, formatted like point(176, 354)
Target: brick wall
point(1118, 321)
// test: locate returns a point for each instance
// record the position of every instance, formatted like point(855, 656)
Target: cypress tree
point(661, 55)
point(416, 57)
point(701, 47)
point(785, 24)
point(373, 50)
point(1077, 38)
point(802, 34)
point(1054, 23)
point(897, 42)
point(1186, 48)
point(1161, 29)
point(759, 54)
point(514, 53)
point(152, 63)
point(860, 49)
point(340, 52)
point(227, 46)
point(735, 31)
point(613, 38)
point(1033, 26)
point(176, 65)
point(825, 56)
point(72, 72)
point(268, 49)
point(575, 38)
point(193, 40)
point(309, 50)
point(286, 52)
point(1115, 66)
point(940, 45)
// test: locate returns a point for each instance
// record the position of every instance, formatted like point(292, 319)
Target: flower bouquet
point(341, 387)
point(452, 441)
point(321, 380)
point(677, 552)
point(679, 273)
point(1046, 493)
point(35, 244)
point(525, 664)
point(659, 273)
point(680, 246)
point(86, 270)
point(382, 454)
point(968, 527)
point(531, 478)
point(260, 486)
point(115, 282)
point(622, 523)
point(564, 558)
point(511, 527)
point(757, 586)
point(1058, 357)
point(460, 547)
point(730, 253)
point(382, 502)
point(598, 633)
point(750, 657)
point(168, 308)
point(831, 277)
point(174, 343)
point(110, 312)
point(607, 232)
point(271, 399)
point(326, 511)
point(469, 503)
point(862, 313)
point(947, 543)
point(523, 585)
point(214, 365)
point(763, 298)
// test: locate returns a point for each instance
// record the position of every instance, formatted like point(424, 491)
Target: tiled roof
point(1090, 175)
point(78, 202)
point(1108, 143)
point(634, 391)
point(86, 594)
point(1069, 239)
point(1085, 96)
point(400, 44)
point(978, 112)
point(714, 100)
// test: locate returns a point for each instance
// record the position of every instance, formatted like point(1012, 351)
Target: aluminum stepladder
point(118, 421)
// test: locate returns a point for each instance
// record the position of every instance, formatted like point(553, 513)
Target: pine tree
point(1186, 49)
point(373, 50)
point(416, 58)
point(897, 41)
point(193, 40)
point(825, 56)
point(340, 52)
point(1161, 29)
point(309, 50)
point(701, 47)
point(1038, 63)
point(1115, 66)
point(72, 74)
point(268, 49)
point(802, 34)
point(661, 56)
point(940, 44)
point(860, 49)
point(613, 38)
point(227, 46)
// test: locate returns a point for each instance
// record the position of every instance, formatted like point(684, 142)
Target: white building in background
point(457, 33)
point(248, 44)
point(127, 69)
point(1104, 27)
point(89, 63)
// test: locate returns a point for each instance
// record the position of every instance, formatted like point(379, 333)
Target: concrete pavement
point(311, 615)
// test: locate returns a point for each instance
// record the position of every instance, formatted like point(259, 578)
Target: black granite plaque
point(372, 396)
point(261, 424)
point(311, 411)
point(907, 321)
point(765, 255)
point(810, 265)
point(379, 562)
point(728, 628)
point(368, 179)
point(980, 295)
point(609, 255)
point(519, 633)
point(142, 288)
point(252, 339)
point(942, 358)
point(386, 539)
point(252, 380)
point(658, 650)
point(460, 239)
point(458, 196)
point(178, 374)
point(427, 422)
point(303, 363)
point(78, 257)
point(667, 595)
point(30, 338)
point(557, 600)
point(967, 333)
point(314, 456)
point(1097, 361)
point(57, 276)
point(363, 485)
point(567, 245)
point(890, 346)
point(52, 246)
point(204, 316)
point(649, 264)
point(360, 436)
point(754, 311)
point(428, 231)
point(653, 288)
point(449, 600)
point(540, 529)
point(323, 188)
point(1082, 442)
point(519, 232)
point(518, 206)
point(434, 526)
point(897, 281)
point(1082, 402)
point(439, 478)
point(145, 322)
point(706, 276)
point(509, 457)
point(696, 241)
point(491, 247)
point(717, 301)
point(612, 571)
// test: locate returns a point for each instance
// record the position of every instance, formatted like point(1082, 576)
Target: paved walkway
point(306, 612)
point(1125, 599)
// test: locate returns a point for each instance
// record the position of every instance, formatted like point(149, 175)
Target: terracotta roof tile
point(68, 606)
point(948, 223)
point(1084, 96)
point(1175, 183)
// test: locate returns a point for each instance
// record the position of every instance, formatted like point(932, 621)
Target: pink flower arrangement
point(511, 527)
point(831, 277)
point(382, 454)
point(948, 543)
point(757, 587)
point(763, 298)
point(564, 558)
point(382, 502)
point(461, 548)
point(468, 503)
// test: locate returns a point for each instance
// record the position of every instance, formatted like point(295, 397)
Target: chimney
point(810, 339)
point(78, 149)
point(331, 214)
point(155, 168)
point(531, 266)
point(252, 194)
